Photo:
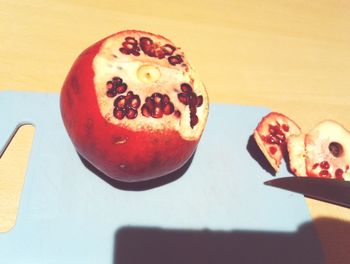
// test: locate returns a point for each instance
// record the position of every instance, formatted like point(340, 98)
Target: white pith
point(296, 151)
point(110, 62)
point(317, 148)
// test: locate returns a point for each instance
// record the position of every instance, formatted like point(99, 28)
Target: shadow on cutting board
point(134, 245)
point(139, 186)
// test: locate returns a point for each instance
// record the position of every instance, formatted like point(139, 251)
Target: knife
point(327, 190)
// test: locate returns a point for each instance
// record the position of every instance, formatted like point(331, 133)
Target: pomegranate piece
point(296, 154)
point(326, 151)
point(121, 106)
point(271, 136)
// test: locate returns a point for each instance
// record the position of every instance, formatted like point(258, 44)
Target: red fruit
point(271, 136)
point(128, 134)
point(326, 151)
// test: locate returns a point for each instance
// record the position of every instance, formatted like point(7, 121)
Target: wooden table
point(291, 56)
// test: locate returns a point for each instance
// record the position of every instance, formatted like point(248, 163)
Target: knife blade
point(327, 190)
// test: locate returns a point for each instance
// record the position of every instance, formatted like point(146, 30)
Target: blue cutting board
point(215, 210)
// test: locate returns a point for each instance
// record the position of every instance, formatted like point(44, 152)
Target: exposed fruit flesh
point(154, 70)
point(271, 135)
point(326, 153)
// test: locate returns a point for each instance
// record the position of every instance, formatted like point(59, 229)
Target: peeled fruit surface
point(133, 106)
point(271, 135)
point(327, 153)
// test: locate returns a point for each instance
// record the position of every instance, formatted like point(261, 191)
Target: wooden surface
point(291, 56)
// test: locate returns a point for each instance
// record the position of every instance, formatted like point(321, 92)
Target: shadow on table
point(134, 245)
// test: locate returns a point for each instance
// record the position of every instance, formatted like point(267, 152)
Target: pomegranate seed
point(168, 108)
point(121, 88)
point(168, 49)
point(315, 166)
point(112, 92)
point(135, 53)
point(339, 174)
point(273, 150)
point(144, 41)
point(347, 168)
point(199, 100)
point(125, 51)
point(120, 101)
point(118, 113)
point(158, 112)
point(159, 53)
point(325, 174)
point(157, 98)
point(186, 88)
point(127, 45)
point(166, 99)
point(193, 109)
point(183, 98)
point(173, 60)
point(135, 101)
point(336, 149)
point(177, 114)
point(109, 85)
point(131, 113)
point(285, 127)
point(192, 100)
point(117, 80)
point(324, 165)
point(145, 111)
point(194, 121)
point(131, 40)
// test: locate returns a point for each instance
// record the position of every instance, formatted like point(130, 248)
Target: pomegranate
point(271, 136)
point(327, 155)
point(133, 106)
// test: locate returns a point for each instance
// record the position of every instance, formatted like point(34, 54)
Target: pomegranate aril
point(177, 114)
point(324, 165)
point(285, 127)
point(127, 45)
point(166, 99)
point(192, 100)
point(109, 85)
point(173, 60)
point(131, 40)
point(117, 80)
point(112, 93)
point(273, 150)
point(121, 88)
point(315, 166)
point(120, 101)
point(157, 99)
point(159, 53)
point(144, 41)
point(186, 88)
point(135, 53)
point(199, 100)
point(193, 109)
point(183, 98)
point(145, 111)
point(168, 49)
point(194, 121)
point(339, 174)
point(336, 149)
point(324, 174)
point(125, 51)
point(168, 108)
point(131, 113)
point(135, 101)
point(157, 112)
point(118, 113)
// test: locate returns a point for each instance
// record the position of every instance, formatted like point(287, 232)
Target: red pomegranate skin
point(145, 155)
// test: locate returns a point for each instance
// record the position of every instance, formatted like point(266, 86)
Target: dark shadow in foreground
point(135, 245)
point(138, 186)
